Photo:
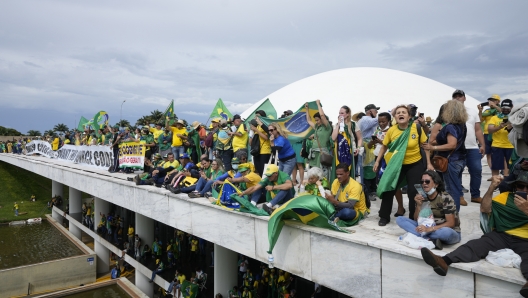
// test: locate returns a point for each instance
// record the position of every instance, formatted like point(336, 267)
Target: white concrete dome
point(360, 86)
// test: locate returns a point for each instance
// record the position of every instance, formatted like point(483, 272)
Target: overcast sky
point(60, 60)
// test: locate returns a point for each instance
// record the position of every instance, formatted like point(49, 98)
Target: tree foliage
point(61, 127)
point(6, 131)
point(35, 133)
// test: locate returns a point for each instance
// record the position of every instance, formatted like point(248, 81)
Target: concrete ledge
point(123, 283)
point(316, 254)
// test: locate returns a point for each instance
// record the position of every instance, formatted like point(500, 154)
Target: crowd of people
point(351, 162)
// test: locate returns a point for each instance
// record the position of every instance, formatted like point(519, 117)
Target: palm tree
point(143, 120)
point(123, 123)
point(60, 127)
point(34, 133)
point(49, 132)
point(156, 116)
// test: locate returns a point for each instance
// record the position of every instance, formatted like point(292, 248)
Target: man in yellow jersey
point(508, 228)
point(347, 195)
point(240, 134)
point(501, 148)
point(248, 177)
point(179, 134)
point(130, 235)
point(485, 116)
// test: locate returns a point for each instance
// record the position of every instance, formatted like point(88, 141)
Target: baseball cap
point(243, 167)
point(271, 169)
point(235, 160)
point(289, 112)
point(494, 97)
point(522, 176)
point(237, 116)
point(371, 106)
point(217, 120)
point(412, 106)
point(185, 155)
point(458, 91)
point(507, 103)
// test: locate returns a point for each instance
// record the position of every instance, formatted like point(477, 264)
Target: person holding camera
point(501, 149)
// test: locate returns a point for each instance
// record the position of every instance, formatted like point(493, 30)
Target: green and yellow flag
point(296, 126)
point(220, 110)
point(308, 209)
point(169, 112)
point(395, 155)
point(267, 107)
point(82, 122)
point(189, 290)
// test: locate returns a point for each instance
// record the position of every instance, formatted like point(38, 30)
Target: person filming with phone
point(505, 223)
point(447, 223)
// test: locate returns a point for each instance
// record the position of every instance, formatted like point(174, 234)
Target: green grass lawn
point(17, 185)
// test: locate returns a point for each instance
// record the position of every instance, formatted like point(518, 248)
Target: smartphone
point(421, 115)
point(484, 104)
point(374, 137)
point(505, 120)
point(521, 193)
point(420, 190)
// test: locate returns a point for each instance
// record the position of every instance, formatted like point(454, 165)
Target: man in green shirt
point(108, 135)
point(278, 186)
point(164, 142)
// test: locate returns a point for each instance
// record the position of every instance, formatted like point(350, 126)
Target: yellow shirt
point(55, 144)
point(522, 231)
point(156, 132)
point(499, 139)
point(131, 231)
point(181, 278)
point(177, 141)
point(265, 145)
point(486, 122)
point(16, 206)
point(352, 191)
point(253, 178)
point(173, 164)
point(240, 142)
point(412, 154)
point(194, 245)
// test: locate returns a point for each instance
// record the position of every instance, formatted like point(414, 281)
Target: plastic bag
point(504, 258)
point(425, 217)
point(413, 241)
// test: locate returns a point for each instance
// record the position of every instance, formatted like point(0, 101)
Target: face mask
point(235, 167)
point(430, 192)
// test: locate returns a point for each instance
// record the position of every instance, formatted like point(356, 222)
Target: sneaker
point(130, 179)
point(267, 208)
point(208, 194)
point(404, 190)
point(464, 190)
point(373, 197)
point(438, 264)
point(438, 244)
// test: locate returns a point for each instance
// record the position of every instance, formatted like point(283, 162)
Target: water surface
point(22, 245)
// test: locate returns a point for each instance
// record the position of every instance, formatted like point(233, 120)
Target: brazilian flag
point(309, 209)
point(82, 122)
point(267, 107)
point(189, 289)
point(505, 215)
point(295, 126)
point(220, 110)
point(396, 154)
point(223, 198)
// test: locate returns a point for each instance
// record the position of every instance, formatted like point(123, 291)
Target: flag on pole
point(82, 122)
point(189, 289)
point(169, 112)
point(395, 154)
point(296, 126)
point(267, 107)
point(220, 110)
point(308, 209)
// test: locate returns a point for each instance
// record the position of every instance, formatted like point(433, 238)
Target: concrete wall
point(122, 282)
point(52, 275)
point(362, 264)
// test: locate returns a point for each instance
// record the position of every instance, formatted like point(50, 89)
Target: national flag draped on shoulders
point(220, 110)
point(296, 125)
point(309, 209)
point(189, 289)
point(395, 154)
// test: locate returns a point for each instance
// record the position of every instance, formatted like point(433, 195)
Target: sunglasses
point(425, 181)
point(271, 129)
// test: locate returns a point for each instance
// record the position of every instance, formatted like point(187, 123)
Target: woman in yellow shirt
point(412, 165)
point(261, 130)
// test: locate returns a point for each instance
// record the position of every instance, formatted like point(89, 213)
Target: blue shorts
point(498, 155)
point(488, 144)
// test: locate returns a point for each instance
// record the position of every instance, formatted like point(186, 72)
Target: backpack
point(209, 140)
point(255, 146)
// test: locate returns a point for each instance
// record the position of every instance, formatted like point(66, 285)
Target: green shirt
point(164, 147)
point(108, 137)
point(281, 179)
point(149, 139)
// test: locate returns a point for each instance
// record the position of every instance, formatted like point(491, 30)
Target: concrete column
point(75, 207)
point(103, 257)
point(142, 282)
point(225, 269)
point(56, 190)
point(145, 229)
point(101, 207)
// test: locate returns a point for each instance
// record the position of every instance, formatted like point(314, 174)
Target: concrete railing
point(360, 264)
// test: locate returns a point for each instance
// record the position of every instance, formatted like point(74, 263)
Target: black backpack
point(255, 146)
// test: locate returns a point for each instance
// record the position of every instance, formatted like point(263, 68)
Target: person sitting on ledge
point(347, 195)
point(159, 174)
point(278, 186)
point(158, 269)
point(508, 221)
point(247, 179)
point(447, 228)
point(187, 169)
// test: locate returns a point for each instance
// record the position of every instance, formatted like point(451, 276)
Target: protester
point(485, 117)
point(407, 166)
point(281, 145)
point(179, 133)
point(348, 139)
point(450, 144)
point(322, 135)
point(501, 148)
point(508, 215)
point(164, 142)
point(261, 130)
point(224, 144)
point(315, 179)
point(367, 126)
point(277, 185)
point(239, 134)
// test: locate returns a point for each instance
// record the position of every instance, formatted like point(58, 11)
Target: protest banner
point(132, 155)
point(93, 156)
